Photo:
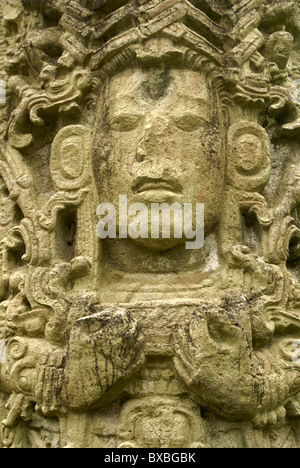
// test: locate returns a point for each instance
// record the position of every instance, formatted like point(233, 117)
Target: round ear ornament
point(69, 158)
point(248, 164)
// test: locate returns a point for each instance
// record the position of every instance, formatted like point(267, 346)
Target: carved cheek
point(124, 148)
point(117, 160)
point(201, 152)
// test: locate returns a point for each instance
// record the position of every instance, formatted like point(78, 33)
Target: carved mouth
point(147, 184)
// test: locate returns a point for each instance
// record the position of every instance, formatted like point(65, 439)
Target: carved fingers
point(104, 349)
point(214, 358)
point(49, 382)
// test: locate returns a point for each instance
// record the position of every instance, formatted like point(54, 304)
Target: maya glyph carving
point(140, 342)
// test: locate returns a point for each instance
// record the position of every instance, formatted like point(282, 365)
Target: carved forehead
point(155, 83)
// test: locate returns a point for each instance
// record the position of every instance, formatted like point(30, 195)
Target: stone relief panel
point(139, 342)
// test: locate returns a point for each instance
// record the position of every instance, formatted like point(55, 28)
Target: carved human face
point(158, 139)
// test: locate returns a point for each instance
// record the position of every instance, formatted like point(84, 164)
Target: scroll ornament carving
point(128, 343)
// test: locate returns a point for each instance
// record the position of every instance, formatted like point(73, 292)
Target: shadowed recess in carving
point(66, 234)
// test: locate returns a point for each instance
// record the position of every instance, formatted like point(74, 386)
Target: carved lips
point(144, 184)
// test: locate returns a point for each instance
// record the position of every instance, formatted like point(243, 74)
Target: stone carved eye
point(189, 122)
point(125, 122)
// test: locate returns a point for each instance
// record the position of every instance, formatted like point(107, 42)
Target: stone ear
point(70, 158)
point(248, 156)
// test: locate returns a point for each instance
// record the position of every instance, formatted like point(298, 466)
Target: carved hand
point(214, 358)
point(104, 350)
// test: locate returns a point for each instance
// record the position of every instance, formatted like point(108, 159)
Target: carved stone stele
point(141, 342)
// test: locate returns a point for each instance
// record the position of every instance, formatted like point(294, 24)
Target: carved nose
point(154, 138)
point(142, 150)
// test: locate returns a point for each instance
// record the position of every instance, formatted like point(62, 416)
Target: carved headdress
point(250, 43)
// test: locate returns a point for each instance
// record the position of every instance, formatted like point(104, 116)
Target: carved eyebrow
point(122, 105)
point(194, 100)
point(193, 104)
point(126, 97)
point(182, 112)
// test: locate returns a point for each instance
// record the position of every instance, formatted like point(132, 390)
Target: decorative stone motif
point(128, 343)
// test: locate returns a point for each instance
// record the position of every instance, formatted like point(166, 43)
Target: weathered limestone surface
point(143, 343)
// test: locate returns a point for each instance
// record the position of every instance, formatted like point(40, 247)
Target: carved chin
point(159, 245)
